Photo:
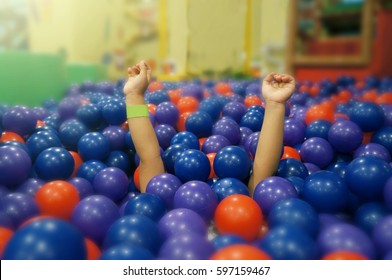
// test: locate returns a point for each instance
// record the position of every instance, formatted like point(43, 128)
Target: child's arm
point(141, 129)
point(276, 90)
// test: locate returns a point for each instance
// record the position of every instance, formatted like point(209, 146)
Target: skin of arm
point(276, 90)
point(141, 129)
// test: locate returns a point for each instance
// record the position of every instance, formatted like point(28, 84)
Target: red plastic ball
point(252, 100)
point(290, 152)
point(93, 251)
point(11, 136)
point(187, 104)
point(344, 255)
point(5, 235)
point(78, 162)
point(57, 198)
point(240, 252)
point(239, 214)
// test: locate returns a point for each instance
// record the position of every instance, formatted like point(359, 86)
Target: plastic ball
point(229, 129)
point(199, 123)
point(344, 255)
point(252, 100)
point(93, 251)
point(293, 132)
point(318, 151)
point(382, 236)
point(319, 112)
point(240, 215)
point(187, 104)
point(164, 186)
point(68, 107)
point(213, 106)
point(388, 193)
point(19, 207)
point(197, 196)
point(94, 215)
point(187, 139)
point(54, 164)
point(312, 168)
point(383, 137)
point(46, 239)
point(90, 115)
point(167, 113)
point(232, 161)
point(165, 134)
point(345, 136)
point(373, 149)
point(295, 212)
point(146, 204)
point(181, 221)
point(116, 136)
point(111, 182)
point(366, 177)
point(42, 140)
point(15, 165)
point(318, 128)
point(369, 116)
point(338, 167)
point(57, 198)
point(234, 110)
point(89, 169)
point(225, 240)
point(83, 186)
point(19, 119)
point(135, 229)
point(229, 186)
point(240, 252)
point(287, 242)
point(298, 184)
point(345, 237)
point(70, 132)
point(5, 236)
point(292, 167)
point(271, 190)
point(30, 186)
point(114, 112)
point(126, 251)
point(326, 191)
point(192, 165)
point(214, 144)
point(121, 160)
point(93, 146)
point(369, 214)
point(171, 154)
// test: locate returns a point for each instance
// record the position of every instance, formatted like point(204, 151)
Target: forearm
point(146, 143)
point(269, 147)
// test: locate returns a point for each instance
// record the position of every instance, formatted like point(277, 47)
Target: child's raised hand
point(139, 76)
point(278, 87)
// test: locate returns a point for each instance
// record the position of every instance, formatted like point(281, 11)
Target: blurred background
point(47, 45)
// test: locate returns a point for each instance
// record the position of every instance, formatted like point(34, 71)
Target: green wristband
point(137, 111)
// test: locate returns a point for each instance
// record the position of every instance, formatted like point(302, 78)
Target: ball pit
point(330, 198)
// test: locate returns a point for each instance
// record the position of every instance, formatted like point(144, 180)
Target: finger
point(270, 77)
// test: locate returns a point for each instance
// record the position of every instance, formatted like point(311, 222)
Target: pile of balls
point(69, 176)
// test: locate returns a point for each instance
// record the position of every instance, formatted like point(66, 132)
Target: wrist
point(134, 99)
point(273, 103)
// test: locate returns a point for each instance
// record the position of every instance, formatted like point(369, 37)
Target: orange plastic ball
point(223, 88)
point(154, 86)
point(187, 104)
point(77, 160)
point(319, 112)
point(174, 95)
point(384, 98)
point(252, 100)
point(5, 236)
point(93, 251)
point(136, 178)
point(181, 121)
point(57, 198)
point(344, 255)
point(151, 108)
point(211, 158)
point(11, 136)
point(240, 252)
point(290, 152)
point(239, 214)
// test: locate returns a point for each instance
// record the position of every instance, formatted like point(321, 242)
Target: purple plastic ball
point(111, 182)
point(94, 215)
point(345, 237)
point(187, 246)
point(214, 144)
point(318, 151)
point(19, 207)
point(234, 110)
point(181, 220)
point(373, 149)
point(164, 186)
point(164, 133)
point(229, 129)
point(271, 190)
point(30, 186)
point(15, 165)
point(83, 186)
point(19, 119)
point(382, 235)
point(116, 136)
point(197, 196)
point(345, 136)
point(388, 193)
point(167, 113)
point(294, 132)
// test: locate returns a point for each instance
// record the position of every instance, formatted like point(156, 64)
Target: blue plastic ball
point(383, 137)
point(368, 116)
point(114, 112)
point(187, 139)
point(224, 240)
point(369, 214)
point(318, 128)
point(366, 177)
point(192, 165)
point(228, 186)
point(292, 167)
point(199, 123)
point(146, 204)
point(54, 164)
point(232, 161)
point(42, 140)
point(70, 132)
point(93, 146)
point(89, 169)
point(126, 251)
point(326, 191)
point(90, 115)
point(170, 155)
point(46, 239)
